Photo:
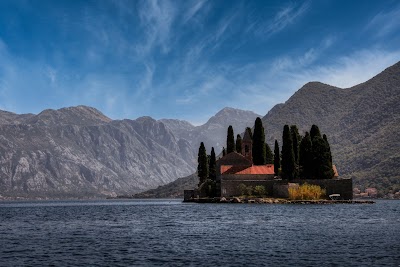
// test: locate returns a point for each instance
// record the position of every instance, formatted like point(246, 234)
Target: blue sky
point(186, 59)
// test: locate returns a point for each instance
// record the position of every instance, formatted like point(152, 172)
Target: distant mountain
point(213, 133)
point(362, 124)
point(79, 152)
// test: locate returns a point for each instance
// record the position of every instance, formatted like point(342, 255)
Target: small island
point(248, 172)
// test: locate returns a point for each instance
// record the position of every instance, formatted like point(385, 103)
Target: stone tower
point(247, 143)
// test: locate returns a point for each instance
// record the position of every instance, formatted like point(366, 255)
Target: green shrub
point(260, 191)
point(249, 190)
point(242, 189)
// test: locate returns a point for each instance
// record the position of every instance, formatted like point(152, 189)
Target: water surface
point(171, 233)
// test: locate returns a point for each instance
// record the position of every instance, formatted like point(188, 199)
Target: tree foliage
point(212, 170)
point(269, 156)
point(322, 164)
point(230, 140)
point(294, 131)
point(329, 147)
point(306, 157)
point(258, 148)
point(238, 144)
point(277, 158)
point(248, 129)
point(202, 167)
point(288, 164)
point(314, 132)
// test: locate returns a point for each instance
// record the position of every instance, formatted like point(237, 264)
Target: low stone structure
point(234, 169)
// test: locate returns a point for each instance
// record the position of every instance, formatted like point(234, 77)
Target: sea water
point(172, 233)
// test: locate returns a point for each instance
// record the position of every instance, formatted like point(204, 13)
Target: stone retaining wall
point(279, 188)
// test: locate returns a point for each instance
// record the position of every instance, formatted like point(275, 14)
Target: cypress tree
point(288, 165)
point(258, 148)
point(230, 140)
point(202, 167)
point(269, 157)
point(277, 158)
point(212, 171)
point(250, 132)
point(329, 147)
point(322, 165)
point(295, 138)
point(314, 132)
point(223, 151)
point(296, 142)
point(238, 144)
point(306, 157)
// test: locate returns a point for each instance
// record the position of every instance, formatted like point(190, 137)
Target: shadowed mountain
point(362, 124)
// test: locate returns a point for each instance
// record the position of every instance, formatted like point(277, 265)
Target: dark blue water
point(171, 233)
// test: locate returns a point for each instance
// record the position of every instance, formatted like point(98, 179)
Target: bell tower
point(247, 144)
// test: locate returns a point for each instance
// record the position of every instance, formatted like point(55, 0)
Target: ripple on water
point(170, 233)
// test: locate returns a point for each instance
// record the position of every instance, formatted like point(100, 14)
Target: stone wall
point(230, 188)
point(344, 187)
point(279, 188)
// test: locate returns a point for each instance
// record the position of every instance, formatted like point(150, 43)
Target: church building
point(235, 169)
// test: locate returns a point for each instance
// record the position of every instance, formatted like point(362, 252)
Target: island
point(248, 171)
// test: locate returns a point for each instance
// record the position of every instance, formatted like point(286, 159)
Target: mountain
point(362, 124)
point(213, 133)
point(79, 152)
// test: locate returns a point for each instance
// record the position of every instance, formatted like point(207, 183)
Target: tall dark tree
point(202, 167)
point(223, 151)
point(322, 164)
point(238, 144)
point(269, 157)
point(248, 129)
point(288, 165)
point(306, 157)
point(258, 148)
point(314, 132)
point(230, 140)
point(212, 174)
point(277, 158)
point(294, 131)
point(329, 147)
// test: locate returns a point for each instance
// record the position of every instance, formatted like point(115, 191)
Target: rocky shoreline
point(275, 201)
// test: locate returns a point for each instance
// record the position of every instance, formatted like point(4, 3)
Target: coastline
point(237, 200)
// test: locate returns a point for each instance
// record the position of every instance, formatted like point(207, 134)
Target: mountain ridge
point(361, 122)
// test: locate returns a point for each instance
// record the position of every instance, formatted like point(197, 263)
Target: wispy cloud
point(385, 22)
point(193, 10)
point(282, 19)
point(156, 19)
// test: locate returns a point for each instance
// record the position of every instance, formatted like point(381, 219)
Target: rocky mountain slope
point(79, 152)
point(362, 124)
point(213, 132)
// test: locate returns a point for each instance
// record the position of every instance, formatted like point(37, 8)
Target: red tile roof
point(261, 169)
